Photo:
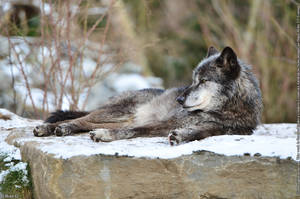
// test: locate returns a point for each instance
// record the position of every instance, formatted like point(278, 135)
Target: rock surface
point(260, 166)
point(198, 175)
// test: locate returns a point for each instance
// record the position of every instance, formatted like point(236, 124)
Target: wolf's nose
point(180, 100)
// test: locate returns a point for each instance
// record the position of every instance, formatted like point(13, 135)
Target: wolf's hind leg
point(47, 129)
point(73, 127)
point(64, 129)
point(56, 118)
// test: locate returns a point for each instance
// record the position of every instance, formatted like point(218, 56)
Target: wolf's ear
point(229, 63)
point(211, 51)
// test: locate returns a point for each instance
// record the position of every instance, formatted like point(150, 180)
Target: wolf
point(224, 98)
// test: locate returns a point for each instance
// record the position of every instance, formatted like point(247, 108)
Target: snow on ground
point(20, 166)
point(267, 144)
point(15, 121)
point(276, 140)
point(10, 153)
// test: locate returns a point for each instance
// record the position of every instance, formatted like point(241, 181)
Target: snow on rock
point(265, 143)
point(12, 121)
point(8, 151)
point(11, 153)
point(20, 166)
point(277, 140)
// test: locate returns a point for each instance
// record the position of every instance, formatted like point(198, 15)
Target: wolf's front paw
point(104, 135)
point(174, 137)
point(42, 130)
point(63, 130)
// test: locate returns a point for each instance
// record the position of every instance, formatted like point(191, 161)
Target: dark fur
point(224, 98)
point(60, 115)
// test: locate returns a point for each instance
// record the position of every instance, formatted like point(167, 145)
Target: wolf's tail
point(60, 115)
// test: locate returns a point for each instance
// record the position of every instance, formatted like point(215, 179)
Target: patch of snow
point(6, 6)
point(15, 121)
point(21, 166)
point(130, 67)
point(3, 174)
point(105, 68)
point(8, 151)
point(125, 82)
point(10, 164)
point(116, 83)
point(9, 69)
point(38, 98)
point(22, 49)
point(89, 66)
point(8, 159)
point(45, 52)
point(155, 82)
point(46, 8)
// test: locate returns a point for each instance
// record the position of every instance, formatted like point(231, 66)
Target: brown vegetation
point(177, 33)
point(65, 36)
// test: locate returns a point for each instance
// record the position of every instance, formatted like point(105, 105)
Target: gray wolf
point(224, 98)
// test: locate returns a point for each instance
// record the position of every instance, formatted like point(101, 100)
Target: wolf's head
point(213, 81)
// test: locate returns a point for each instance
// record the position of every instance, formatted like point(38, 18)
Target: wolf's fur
point(65, 115)
point(224, 98)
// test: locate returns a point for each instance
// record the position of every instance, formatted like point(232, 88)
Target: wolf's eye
point(202, 81)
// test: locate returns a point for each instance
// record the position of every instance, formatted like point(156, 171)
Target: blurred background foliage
point(168, 38)
point(176, 34)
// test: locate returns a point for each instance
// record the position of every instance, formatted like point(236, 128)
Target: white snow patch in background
point(275, 140)
point(5, 6)
point(38, 98)
point(46, 8)
point(15, 121)
point(125, 82)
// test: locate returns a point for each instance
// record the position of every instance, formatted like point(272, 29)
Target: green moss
point(2, 163)
point(17, 183)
